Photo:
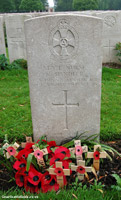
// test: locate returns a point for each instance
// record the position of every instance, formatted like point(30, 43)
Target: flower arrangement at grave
point(44, 166)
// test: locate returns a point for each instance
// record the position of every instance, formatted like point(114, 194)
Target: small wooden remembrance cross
point(78, 150)
point(96, 155)
point(39, 153)
point(59, 172)
point(81, 169)
point(28, 140)
point(15, 146)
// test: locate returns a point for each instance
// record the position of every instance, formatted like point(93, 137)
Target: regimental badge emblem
point(110, 21)
point(63, 40)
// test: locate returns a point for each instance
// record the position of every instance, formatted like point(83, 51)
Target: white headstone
point(16, 36)
point(111, 34)
point(65, 62)
point(2, 39)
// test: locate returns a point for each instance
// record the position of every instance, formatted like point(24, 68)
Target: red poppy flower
point(31, 181)
point(38, 154)
point(59, 171)
point(19, 179)
point(34, 176)
point(52, 144)
point(63, 150)
point(50, 153)
point(65, 164)
point(11, 151)
point(80, 170)
point(79, 150)
point(21, 176)
point(29, 145)
point(46, 178)
point(96, 155)
point(30, 187)
point(19, 164)
point(43, 141)
point(24, 153)
point(49, 182)
point(57, 157)
point(53, 185)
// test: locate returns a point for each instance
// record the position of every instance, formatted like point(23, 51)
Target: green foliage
point(3, 62)
point(45, 4)
point(85, 4)
point(64, 5)
point(90, 141)
point(7, 6)
point(118, 49)
point(118, 180)
point(109, 5)
point(17, 4)
point(18, 64)
point(31, 5)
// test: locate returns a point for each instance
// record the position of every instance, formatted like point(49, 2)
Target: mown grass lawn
point(15, 111)
point(111, 104)
point(94, 193)
point(15, 120)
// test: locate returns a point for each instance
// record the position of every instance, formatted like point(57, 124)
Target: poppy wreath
point(34, 176)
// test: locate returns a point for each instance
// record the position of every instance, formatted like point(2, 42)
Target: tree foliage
point(85, 4)
point(68, 5)
point(17, 4)
point(63, 5)
point(109, 4)
point(7, 6)
point(31, 5)
point(45, 4)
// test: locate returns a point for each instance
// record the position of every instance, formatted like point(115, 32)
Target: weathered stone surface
point(16, 36)
point(111, 34)
point(64, 61)
point(2, 39)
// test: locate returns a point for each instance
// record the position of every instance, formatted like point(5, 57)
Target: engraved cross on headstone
point(109, 46)
point(66, 105)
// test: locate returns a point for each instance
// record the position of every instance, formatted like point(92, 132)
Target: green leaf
point(66, 158)
point(34, 162)
point(72, 155)
point(42, 138)
point(46, 157)
point(6, 139)
point(29, 160)
point(118, 179)
point(110, 148)
point(53, 149)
